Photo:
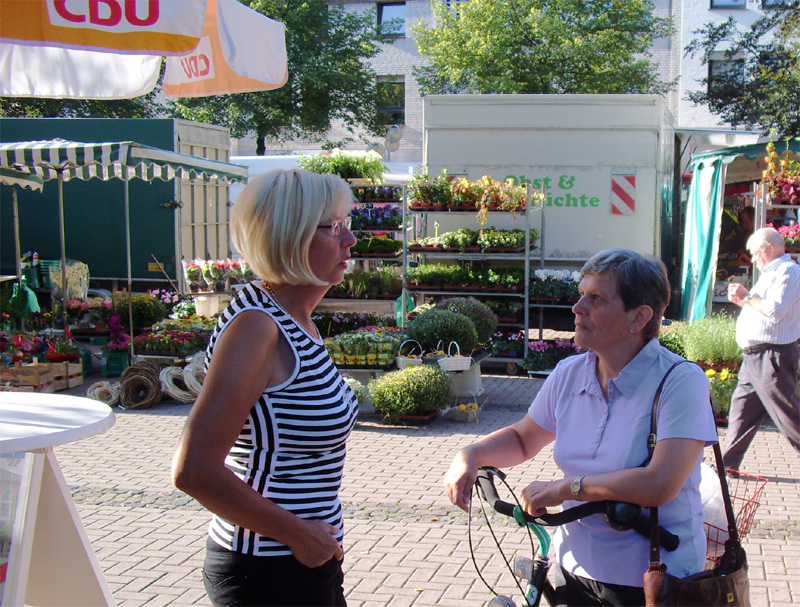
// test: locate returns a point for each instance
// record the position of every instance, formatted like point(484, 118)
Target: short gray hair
point(642, 281)
point(765, 236)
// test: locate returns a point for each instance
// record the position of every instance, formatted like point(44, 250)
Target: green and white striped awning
point(112, 160)
point(23, 180)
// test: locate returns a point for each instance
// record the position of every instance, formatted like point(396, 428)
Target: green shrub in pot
point(415, 390)
point(712, 339)
point(480, 314)
point(146, 310)
point(433, 326)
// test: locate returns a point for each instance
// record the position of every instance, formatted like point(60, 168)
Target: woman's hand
point(316, 544)
point(460, 478)
point(540, 495)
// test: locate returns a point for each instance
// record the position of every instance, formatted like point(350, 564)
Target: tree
point(328, 49)
point(19, 107)
point(541, 46)
point(761, 87)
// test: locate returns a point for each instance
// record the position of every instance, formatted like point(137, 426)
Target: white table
point(51, 561)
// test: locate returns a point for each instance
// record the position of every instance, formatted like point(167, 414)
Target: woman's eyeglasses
point(337, 226)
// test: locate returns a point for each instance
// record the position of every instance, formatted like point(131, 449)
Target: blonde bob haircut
point(275, 217)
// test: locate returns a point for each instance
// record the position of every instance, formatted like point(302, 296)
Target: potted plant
point(544, 355)
point(721, 385)
point(413, 392)
point(480, 314)
point(507, 344)
point(347, 165)
point(782, 176)
point(434, 326)
point(466, 195)
point(711, 341)
point(115, 350)
point(426, 191)
point(61, 349)
point(462, 240)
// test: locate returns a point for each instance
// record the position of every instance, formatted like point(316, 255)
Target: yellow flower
point(710, 372)
point(723, 375)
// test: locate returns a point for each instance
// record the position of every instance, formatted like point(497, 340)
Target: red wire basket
point(745, 491)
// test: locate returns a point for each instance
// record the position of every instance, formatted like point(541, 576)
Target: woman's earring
point(633, 329)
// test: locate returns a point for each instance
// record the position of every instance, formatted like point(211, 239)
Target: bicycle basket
point(745, 491)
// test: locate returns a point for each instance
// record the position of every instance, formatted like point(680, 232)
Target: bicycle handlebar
point(620, 515)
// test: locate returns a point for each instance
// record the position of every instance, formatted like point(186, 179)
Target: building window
point(392, 18)
point(728, 3)
point(391, 104)
point(725, 75)
point(778, 3)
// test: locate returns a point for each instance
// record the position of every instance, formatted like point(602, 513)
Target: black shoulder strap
point(653, 436)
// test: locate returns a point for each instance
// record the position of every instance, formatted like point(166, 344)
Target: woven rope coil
point(105, 392)
point(173, 384)
point(193, 376)
point(140, 387)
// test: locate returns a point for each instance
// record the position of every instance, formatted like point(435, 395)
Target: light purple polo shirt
point(595, 436)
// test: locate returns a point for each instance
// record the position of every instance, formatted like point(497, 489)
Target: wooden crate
point(34, 377)
point(67, 375)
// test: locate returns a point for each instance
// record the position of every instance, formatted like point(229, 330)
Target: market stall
point(65, 160)
point(711, 171)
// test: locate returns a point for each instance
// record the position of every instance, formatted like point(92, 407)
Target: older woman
point(596, 408)
point(264, 445)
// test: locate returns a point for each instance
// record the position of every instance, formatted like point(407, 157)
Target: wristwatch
point(575, 487)
point(748, 297)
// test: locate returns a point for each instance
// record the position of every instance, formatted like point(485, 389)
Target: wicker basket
point(455, 363)
point(405, 361)
point(469, 415)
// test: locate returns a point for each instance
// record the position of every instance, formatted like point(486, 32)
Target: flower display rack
point(33, 377)
point(67, 375)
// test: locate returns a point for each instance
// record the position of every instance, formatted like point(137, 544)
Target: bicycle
point(620, 515)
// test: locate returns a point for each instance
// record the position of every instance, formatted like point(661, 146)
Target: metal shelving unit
point(524, 257)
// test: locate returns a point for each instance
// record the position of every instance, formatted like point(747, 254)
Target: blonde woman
point(263, 448)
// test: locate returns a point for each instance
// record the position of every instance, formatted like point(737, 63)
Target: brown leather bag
point(726, 584)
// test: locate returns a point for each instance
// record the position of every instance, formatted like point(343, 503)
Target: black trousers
point(767, 386)
point(234, 579)
point(575, 591)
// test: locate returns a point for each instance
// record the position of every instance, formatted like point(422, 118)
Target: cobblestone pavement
point(405, 544)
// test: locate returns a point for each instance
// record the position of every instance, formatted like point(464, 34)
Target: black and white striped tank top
point(292, 446)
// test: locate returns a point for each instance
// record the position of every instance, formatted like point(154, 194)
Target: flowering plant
point(721, 384)
point(555, 283)
point(193, 271)
point(20, 347)
point(182, 343)
point(62, 349)
point(379, 192)
point(545, 354)
point(791, 235)
point(119, 341)
point(430, 190)
point(507, 343)
point(783, 183)
point(383, 217)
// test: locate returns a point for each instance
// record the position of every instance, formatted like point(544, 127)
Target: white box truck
point(604, 162)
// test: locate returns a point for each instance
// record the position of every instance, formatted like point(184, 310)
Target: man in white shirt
point(767, 330)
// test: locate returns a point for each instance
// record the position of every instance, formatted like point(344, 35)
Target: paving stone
point(405, 544)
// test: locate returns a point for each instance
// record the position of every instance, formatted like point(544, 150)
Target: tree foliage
point(541, 46)
point(764, 91)
point(20, 107)
point(330, 79)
